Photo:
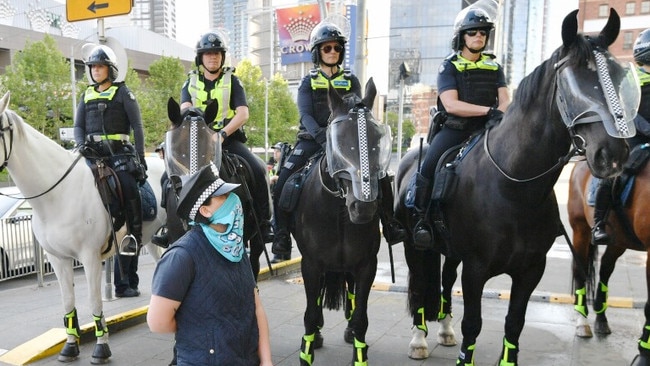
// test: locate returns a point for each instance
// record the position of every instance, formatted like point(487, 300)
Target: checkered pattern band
point(206, 193)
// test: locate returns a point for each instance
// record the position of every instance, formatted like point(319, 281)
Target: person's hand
point(143, 161)
point(495, 114)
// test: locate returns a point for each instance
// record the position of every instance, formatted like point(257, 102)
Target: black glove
point(321, 138)
point(83, 149)
point(494, 117)
point(143, 161)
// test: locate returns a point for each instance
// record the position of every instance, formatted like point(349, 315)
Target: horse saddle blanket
point(293, 186)
point(109, 190)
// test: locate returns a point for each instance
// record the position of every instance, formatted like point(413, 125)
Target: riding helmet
point(472, 19)
point(325, 32)
point(642, 48)
point(103, 55)
point(210, 42)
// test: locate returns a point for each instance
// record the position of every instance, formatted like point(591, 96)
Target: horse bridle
point(7, 154)
point(577, 142)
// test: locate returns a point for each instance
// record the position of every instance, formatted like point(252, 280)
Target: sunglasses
point(327, 49)
point(472, 32)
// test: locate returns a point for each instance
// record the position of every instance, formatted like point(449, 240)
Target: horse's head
point(189, 143)
point(597, 97)
point(358, 151)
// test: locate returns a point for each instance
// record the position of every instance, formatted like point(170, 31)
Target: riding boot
point(131, 243)
point(392, 229)
point(281, 247)
point(263, 212)
point(161, 238)
point(422, 232)
point(603, 200)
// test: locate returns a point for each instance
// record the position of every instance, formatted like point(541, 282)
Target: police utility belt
point(114, 137)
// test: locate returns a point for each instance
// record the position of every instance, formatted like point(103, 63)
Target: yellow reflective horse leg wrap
point(71, 323)
point(361, 352)
point(353, 304)
point(644, 341)
point(605, 290)
point(509, 349)
point(423, 323)
point(441, 312)
point(100, 325)
point(306, 351)
point(581, 301)
point(466, 358)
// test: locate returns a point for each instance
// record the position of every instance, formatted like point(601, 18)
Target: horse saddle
point(293, 186)
point(110, 191)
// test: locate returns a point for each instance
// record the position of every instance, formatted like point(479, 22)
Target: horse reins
point(7, 154)
point(578, 149)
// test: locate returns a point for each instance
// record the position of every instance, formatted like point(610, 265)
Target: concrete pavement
point(28, 312)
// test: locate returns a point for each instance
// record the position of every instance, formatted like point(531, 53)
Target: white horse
point(69, 218)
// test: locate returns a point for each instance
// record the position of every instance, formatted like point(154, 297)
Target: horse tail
point(590, 280)
point(334, 290)
point(424, 282)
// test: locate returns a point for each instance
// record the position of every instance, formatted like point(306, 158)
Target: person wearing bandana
point(203, 288)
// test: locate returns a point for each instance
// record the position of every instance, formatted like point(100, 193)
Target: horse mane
point(578, 54)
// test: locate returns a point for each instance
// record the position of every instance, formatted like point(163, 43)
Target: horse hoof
point(348, 335)
point(418, 347)
point(447, 340)
point(69, 352)
point(584, 331)
point(602, 328)
point(446, 334)
point(640, 360)
point(101, 354)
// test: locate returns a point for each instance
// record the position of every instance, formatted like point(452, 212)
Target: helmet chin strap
point(475, 51)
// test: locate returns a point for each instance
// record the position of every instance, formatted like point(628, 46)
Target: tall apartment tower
point(158, 16)
point(231, 16)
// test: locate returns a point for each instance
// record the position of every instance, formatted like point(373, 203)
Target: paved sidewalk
point(28, 312)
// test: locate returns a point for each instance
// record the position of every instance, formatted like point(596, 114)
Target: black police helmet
point(641, 49)
point(326, 32)
point(472, 19)
point(210, 42)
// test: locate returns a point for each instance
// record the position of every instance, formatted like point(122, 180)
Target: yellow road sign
point(90, 9)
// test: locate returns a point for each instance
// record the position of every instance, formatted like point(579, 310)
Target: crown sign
point(299, 28)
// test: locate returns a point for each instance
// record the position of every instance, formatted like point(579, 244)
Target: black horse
point(500, 214)
point(189, 146)
point(336, 222)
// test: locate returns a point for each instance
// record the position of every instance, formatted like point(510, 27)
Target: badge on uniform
point(441, 68)
point(131, 96)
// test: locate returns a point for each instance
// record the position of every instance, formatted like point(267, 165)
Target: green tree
point(282, 111)
point(39, 82)
point(408, 129)
point(166, 77)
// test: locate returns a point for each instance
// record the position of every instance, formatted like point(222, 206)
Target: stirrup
point(128, 245)
point(423, 236)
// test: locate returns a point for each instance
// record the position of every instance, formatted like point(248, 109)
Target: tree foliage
point(39, 81)
point(282, 111)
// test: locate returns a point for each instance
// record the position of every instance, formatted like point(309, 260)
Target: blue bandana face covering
point(229, 243)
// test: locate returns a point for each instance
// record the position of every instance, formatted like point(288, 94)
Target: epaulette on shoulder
point(227, 69)
point(452, 56)
point(313, 73)
point(347, 73)
point(490, 55)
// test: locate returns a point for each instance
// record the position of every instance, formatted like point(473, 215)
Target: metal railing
point(21, 255)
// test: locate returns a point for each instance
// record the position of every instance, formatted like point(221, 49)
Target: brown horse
point(628, 227)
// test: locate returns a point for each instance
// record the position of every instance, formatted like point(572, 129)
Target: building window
point(645, 7)
point(627, 40)
point(629, 8)
point(603, 11)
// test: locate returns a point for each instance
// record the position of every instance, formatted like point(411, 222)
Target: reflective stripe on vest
point(485, 63)
point(221, 93)
point(92, 94)
point(339, 82)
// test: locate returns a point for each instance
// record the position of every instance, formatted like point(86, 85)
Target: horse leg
point(446, 334)
point(93, 270)
point(423, 296)
point(256, 250)
point(583, 274)
point(350, 306)
point(363, 279)
point(643, 358)
point(313, 317)
point(607, 264)
point(473, 283)
point(523, 285)
point(64, 273)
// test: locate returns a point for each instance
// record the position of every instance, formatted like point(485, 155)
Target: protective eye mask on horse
point(620, 90)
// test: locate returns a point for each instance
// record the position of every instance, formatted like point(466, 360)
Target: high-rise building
point(231, 16)
point(635, 17)
point(158, 16)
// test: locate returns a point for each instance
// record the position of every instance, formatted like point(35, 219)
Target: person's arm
point(186, 98)
point(504, 99)
point(80, 122)
point(264, 342)
point(449, 99)
point(306, 109)
point(161, 316)
point(132, 110)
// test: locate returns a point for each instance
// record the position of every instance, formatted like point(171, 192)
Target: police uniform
point(228, 92)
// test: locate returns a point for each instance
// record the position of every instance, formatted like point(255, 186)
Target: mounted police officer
point(212, 82)
point(327, 45)
point(471, 90)
point(106, 115)
point(603, 199)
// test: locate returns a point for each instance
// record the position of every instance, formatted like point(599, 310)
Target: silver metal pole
point(400, 119)
point(73, 84)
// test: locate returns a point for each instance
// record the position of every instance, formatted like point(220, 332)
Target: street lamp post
point(404, 72)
